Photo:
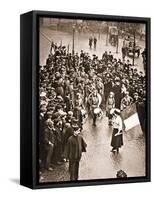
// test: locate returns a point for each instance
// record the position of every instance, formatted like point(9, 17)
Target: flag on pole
point(131, 120)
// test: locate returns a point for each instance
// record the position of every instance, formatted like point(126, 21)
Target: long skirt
point(116, 141)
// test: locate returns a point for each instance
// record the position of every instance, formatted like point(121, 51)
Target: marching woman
point(110, 104)
point(94, 102)
point(117, 135)
point(78, 106)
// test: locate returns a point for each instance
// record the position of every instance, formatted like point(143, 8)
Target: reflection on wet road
point(99, 162)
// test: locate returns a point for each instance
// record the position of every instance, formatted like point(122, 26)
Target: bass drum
point(98, 112)
point(99, 99)
point(83, 112)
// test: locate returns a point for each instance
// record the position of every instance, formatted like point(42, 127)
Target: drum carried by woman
point(94, 101)
point(110, 104)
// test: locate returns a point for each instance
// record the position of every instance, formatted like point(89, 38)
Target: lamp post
point(117, 43)
point(117, 46)
point(107, 33)
point(134, 27)
point(73, 39)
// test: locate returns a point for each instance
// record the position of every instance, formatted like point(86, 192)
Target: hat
point(135, 93)
point(111, 93)
point(117, 79)
point(56, 116)
point(43, 109)
point(117, 111)
point(76, 127)
point(70, 113)
point(62, 113)
point(78, 94)
point(59, 97)
point(121, 174)
point(71, 69)
point(42, 94)
point(49, 113)
point(49, 109)
point(51, 104)
point(59, 107)
point(49, 122)
point(56, 120)
point(74, 120)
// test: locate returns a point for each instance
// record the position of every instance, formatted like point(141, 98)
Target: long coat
point(67, 133)
point(75, 146)
point(49, 136)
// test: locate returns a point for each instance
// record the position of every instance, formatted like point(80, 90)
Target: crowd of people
point(74, 86)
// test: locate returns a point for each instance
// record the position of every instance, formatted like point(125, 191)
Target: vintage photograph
point(92, 99)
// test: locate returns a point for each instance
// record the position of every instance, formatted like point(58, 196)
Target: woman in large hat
point(117, 135)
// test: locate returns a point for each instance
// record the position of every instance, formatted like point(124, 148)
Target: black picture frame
point(29, 54)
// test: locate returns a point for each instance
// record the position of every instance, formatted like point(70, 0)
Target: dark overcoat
point(75, 146)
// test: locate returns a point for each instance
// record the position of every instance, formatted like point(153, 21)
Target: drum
point(83, 112)
point(97, 111)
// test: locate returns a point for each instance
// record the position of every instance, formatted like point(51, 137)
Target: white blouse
point(117, 123)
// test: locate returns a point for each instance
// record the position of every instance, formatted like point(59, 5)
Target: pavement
point(98, 162)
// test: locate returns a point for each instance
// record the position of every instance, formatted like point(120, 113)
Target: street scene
point(92, 100)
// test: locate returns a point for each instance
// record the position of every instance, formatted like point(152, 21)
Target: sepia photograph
point(92, 99)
